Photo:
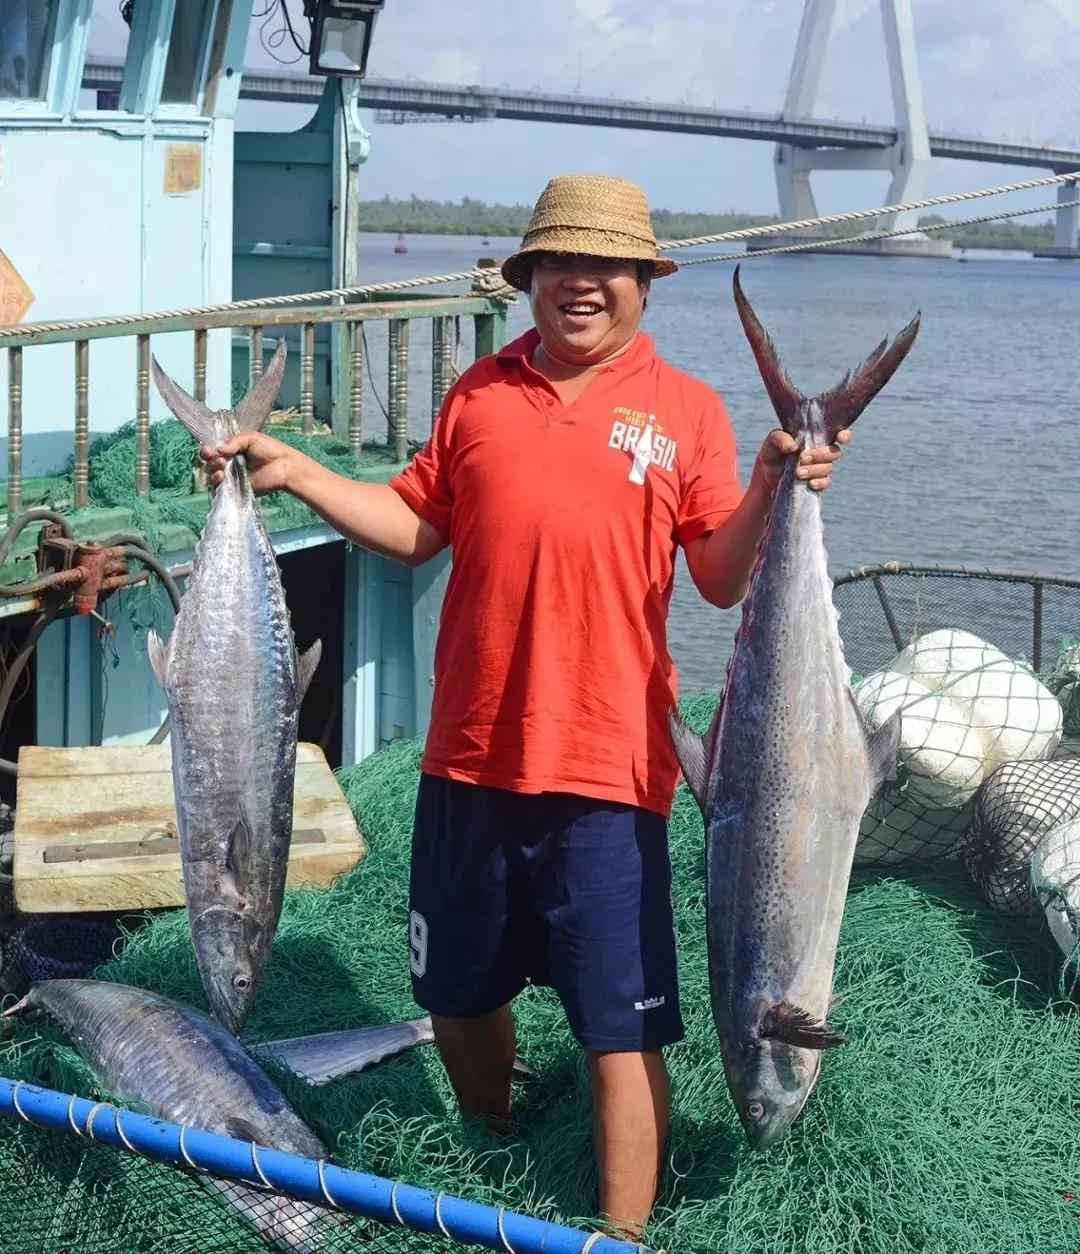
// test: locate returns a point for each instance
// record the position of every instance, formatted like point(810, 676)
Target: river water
point(970, 454)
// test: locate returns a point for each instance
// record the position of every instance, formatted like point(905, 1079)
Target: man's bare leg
point(630, 1123)
point(478, 1055)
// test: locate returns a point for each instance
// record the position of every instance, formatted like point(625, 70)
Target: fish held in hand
point(784, 774)
point(234, 684)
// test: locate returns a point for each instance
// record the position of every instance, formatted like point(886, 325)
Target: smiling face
point(586, 309)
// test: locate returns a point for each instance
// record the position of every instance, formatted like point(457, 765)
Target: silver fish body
point(783, 777)
point(177, 1063)
point(233, 684)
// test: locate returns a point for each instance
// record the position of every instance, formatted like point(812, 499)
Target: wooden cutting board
point(95, 828)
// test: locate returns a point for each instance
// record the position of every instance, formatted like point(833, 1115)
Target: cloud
point(1004, 71)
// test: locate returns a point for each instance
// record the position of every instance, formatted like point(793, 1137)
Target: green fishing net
point(946, 1126)
point(172, 457)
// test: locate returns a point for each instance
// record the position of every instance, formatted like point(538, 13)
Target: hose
point(18, 665)
point(139, 554)
point(23, 520)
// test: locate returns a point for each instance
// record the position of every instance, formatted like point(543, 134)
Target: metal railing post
point(399, 387)
point(255, 356)
point(14, 483)
point(442, 344)
point(307, 378)
point(142, 416)
point(200, 366)
point(81, 472)
point(356, 388)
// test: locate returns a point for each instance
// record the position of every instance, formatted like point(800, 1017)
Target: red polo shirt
point(551, 666)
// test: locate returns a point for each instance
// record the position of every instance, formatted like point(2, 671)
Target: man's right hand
point(268, 460)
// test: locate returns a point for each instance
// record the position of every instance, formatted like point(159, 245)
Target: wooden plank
point(166, 842)
point(95, 828)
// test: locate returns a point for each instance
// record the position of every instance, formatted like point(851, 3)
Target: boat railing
point(345, 319)
point(884, 607)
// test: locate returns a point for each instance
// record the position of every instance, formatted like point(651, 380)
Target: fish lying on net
point(180, 1064)
point(234, 685)
point(783, 777)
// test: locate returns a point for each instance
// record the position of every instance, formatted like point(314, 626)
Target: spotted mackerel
point(784, 774)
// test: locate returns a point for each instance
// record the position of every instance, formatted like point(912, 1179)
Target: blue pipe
point(355, 1192)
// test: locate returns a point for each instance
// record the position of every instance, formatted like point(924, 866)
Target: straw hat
point(596, 215)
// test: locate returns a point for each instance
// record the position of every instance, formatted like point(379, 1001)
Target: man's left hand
point(815, 464)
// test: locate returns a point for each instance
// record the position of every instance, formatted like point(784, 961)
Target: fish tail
point(824, 416)
point(253, 411)
point(212, 427)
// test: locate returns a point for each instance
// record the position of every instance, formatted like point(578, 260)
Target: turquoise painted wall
point(96, 218)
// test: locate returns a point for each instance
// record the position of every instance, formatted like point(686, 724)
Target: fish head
point(231, 952)
point(769, 1083)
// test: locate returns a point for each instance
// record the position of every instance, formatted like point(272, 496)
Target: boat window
point(107, 46)
point(183, 66)
point(24, 47)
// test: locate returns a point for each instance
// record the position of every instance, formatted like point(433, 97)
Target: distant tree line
point(475, 217)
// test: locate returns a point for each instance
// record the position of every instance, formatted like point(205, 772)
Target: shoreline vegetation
point(417, 216)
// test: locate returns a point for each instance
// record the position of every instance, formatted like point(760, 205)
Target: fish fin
point(694, 752)
point(786, 398)
point(522, 1071)
point(201, 422)
point(17, 1008)
point(306, 663)
point(159, 657)
point(308, 1056)
point(252, 412)
point(238, 857)
point(835, 1000)
point(242, 1130)
point(882, 749)
point(841, 405)
point(794, 1026)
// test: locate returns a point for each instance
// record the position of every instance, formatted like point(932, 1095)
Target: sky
point(997, 68)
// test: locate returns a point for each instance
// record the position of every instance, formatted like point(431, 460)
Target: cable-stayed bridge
point(803, 142)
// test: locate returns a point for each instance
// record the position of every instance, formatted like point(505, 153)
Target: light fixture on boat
point(341, 33)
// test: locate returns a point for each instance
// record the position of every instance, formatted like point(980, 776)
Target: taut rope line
point(460, 276)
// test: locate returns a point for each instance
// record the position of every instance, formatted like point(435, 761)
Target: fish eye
point(241, 983)
point(755, 1110)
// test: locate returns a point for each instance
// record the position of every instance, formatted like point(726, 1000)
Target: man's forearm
point(721, 567)
point(372, 515)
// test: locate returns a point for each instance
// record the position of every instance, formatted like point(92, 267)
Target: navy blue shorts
point(554, 889)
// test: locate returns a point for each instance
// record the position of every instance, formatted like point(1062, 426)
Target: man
point(563, 470)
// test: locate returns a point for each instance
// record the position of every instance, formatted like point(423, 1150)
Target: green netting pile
point(948, 1124)
point(172, 455)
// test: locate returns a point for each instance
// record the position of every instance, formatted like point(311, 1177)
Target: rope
point(460, 276)
point(857, 215)
point(867, 236)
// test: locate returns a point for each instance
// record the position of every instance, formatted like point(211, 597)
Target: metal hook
point(438, 1215)
point(258, 1166)
point(92, 1116)
point(502, 1233)
point(330, 1199)
point(393, 1203)
point(15, 1102)
point(183, 1150)
point(71, 1115)
point(122, 1134)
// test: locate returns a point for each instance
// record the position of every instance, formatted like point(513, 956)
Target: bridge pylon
point(908, 159)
